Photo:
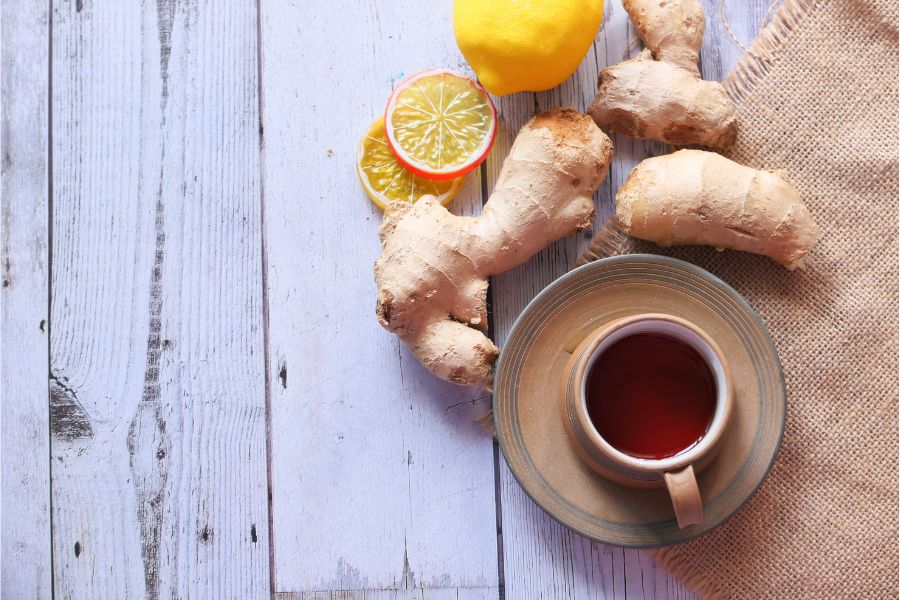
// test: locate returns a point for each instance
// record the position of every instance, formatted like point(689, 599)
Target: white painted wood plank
point(159, 435)
point(542, 559)
point(25, 564)
point(399, 594)
point(381, 479)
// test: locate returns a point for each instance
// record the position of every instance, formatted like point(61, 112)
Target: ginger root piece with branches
point(432, 272)
point(659, 94)
point(697, 197)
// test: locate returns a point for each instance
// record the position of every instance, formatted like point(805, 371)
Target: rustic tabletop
point(197, 400)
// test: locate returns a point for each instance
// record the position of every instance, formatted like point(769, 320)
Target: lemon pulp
point(441, 123)
point(385, 180)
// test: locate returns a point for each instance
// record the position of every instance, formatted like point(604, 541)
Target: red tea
point(651, 395)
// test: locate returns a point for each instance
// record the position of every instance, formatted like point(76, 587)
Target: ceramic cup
point(677, 473)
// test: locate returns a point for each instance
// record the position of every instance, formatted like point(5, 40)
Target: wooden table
point(197, 399)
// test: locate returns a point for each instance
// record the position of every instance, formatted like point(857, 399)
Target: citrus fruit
point(440, 124)
point(385, 180)
point(516, 46)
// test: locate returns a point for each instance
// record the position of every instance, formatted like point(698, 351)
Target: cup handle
point(685, 495)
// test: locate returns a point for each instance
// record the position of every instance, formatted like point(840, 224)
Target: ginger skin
point(659, 94)
point(432, 272)
point(697, 197)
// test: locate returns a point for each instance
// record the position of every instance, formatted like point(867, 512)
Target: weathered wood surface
point(381, 479)
point(399, 594)
point(25, 563)
point(210, 329)
point(158, 416)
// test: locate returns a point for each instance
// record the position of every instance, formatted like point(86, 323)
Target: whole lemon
point(525, 45)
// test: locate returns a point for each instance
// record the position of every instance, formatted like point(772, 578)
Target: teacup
point(676, 472)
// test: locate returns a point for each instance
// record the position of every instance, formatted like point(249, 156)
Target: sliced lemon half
point(440, 124)
point(385, 180)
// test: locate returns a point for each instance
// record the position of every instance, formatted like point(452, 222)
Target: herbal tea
point(651, 395)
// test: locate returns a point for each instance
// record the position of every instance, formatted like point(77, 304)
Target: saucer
point(527, 387)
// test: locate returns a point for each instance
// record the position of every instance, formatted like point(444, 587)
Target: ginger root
point(697, 197)
point(432, 272)
point(659, 94)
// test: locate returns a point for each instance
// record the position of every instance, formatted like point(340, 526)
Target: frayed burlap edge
point(609, 241)
point(756, 62)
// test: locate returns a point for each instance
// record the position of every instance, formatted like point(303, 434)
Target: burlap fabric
point(817, 97)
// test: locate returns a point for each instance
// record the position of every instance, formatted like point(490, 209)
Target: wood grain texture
point(381, 479)
point(541, 558)
point(157, 398)
point(25, 563)
point(404, 594)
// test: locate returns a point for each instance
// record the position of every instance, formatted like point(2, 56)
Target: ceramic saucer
point(527, 385)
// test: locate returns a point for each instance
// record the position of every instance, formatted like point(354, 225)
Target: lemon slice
point(385, 180)
point(440, 124)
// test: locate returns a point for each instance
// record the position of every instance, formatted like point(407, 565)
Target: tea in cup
point(645, 401)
